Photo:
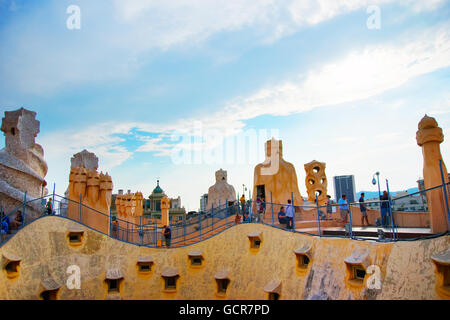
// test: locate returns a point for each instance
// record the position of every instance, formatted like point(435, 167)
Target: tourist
point(384, 208)
point(282, 219)
point(17, 222)
point(237, 219)
point(263, 205)
point(290, 213)
point(114, 226)
point(167, 235)
point(242, 200)
point(4, 226)
point(258, 209)
point(4, 229)
point(5, 218)
point(48, 207)
point(322, 216)
point(262, 209)
point(248, 209)
point(329, 208)
point(343, 208)
point(363, 209)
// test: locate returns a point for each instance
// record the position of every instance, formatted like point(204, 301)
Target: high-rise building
point(203, 202)
point(345, 185)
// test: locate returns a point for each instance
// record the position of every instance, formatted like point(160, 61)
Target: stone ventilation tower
point(165, 206)
point(316, 181)
point(22, 164)
point(429, 137)
point(92, 188)
point(221, 192)
point(276, 176)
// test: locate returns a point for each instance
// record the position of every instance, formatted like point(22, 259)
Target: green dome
point(158, 188)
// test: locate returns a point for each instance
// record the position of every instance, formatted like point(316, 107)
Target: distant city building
point(203, 202)
point(402, 201)
point(152, 205)
point(408, 203)
point(421, 187)
point(345, 185)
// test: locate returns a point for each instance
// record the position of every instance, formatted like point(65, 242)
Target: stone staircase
point(205, 233)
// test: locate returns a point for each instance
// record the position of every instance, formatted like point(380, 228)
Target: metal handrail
point(207, 223)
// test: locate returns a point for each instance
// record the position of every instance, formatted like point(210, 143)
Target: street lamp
point(243, 189)
point(374, 182)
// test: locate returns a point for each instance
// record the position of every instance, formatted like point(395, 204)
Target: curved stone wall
point(45, 253)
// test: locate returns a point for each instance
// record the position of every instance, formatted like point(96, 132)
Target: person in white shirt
point(290, 212)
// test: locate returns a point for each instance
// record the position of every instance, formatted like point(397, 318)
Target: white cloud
point(115, 43)
point(173, 22)
point(101, 139)
point(361, 75)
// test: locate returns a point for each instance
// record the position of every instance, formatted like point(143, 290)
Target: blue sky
point(137, 72)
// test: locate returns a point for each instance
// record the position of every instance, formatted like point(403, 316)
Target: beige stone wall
point(221, 192)
point(22, 164)
point(407, 272)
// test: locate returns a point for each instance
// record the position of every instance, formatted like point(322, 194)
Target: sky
point(177, 89)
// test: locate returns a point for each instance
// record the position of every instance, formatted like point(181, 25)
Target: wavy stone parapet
point(407, 270)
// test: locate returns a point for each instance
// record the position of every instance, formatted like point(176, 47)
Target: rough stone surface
point(221, 192)
point(95, 190)
point(319, 296)
point(406, 268)
point(278, 177)
point(316, 181)
point(85, 159)
point(429, 137)
point(22, 166)
point(130, 208)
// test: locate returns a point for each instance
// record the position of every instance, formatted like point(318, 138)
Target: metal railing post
point(156, 235)
point(24, 208)
point(53, 199)
point(445, 193)
point(318, 215)
point(293, 206)
point(350, 217)
point(127, 231)
point(184, 230)
point(109, 219)
point(141, 231)
point(251, 206)
point(200, 224)
point(80, 207)
point(271, 205)
point(390, 210)
point(212, 216)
